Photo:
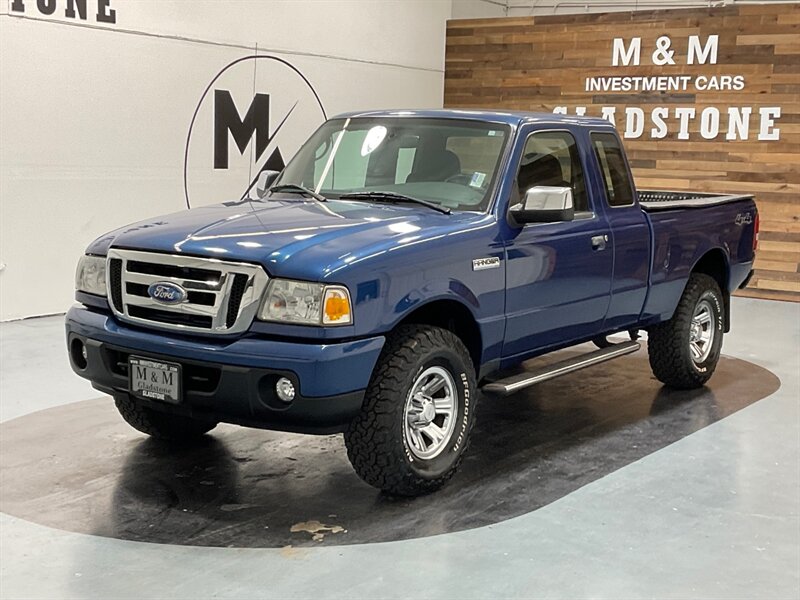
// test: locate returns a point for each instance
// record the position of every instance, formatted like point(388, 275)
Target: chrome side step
point(509, 385)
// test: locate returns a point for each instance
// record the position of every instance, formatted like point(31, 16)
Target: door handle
point(599, 242)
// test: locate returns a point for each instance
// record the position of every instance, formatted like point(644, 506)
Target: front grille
point(175, 318)
point(237, 291)
point(220, 296)
point(204, 298)
point(162, 270)
point(115, 278)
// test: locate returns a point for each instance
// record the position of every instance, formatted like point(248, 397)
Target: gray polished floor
point(708, 512)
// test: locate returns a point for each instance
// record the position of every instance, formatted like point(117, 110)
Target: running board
point(509, 385)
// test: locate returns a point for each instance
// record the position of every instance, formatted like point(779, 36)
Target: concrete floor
point(711, 515)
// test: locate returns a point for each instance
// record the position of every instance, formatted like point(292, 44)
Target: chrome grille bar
point(235, 305)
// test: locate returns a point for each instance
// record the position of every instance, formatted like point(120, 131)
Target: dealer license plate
point(155, 380)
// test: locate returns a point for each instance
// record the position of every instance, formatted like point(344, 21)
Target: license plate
point(155, 380)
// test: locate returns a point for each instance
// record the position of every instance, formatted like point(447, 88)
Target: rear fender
point(714, 263)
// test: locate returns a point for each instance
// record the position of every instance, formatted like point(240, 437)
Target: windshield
point(452, 163)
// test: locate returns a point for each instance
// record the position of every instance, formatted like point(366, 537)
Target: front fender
point(432, 292)
point(448, 300)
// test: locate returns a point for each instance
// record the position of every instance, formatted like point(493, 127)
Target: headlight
point(306, 303)
point(90, 277)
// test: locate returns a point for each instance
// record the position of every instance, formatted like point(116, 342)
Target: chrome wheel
point(429, 416)
point(701, 332)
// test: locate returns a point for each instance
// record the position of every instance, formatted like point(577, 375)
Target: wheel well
point(714, 265)
point(455, 317)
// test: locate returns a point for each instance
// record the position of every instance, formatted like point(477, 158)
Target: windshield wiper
point(297, 189)
point(392, 197)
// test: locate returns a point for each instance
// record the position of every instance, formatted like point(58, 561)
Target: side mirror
point(265, 181)
point(544, 204)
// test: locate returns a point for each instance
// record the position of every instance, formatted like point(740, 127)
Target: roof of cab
point(511, 117)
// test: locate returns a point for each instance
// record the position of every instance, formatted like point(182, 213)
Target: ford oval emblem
point(167, 293)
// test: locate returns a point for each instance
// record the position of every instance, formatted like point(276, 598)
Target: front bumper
point(233, 381)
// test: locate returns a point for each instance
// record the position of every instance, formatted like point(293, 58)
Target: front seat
point(440, 167)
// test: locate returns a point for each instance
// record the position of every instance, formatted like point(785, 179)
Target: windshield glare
point(450, 162)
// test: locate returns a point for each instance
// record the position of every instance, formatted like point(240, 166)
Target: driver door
point(558, 274)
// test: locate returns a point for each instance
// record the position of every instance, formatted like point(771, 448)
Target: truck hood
point(297, 238)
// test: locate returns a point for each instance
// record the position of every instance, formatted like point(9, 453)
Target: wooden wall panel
point(540, 63)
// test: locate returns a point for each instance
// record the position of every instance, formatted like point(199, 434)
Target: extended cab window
point(619, 191)
point(551, 158)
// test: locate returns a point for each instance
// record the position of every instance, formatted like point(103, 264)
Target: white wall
point(94, 116)
point(479, 9)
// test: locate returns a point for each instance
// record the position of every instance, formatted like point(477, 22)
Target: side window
point(551, 158)
point(619, 191)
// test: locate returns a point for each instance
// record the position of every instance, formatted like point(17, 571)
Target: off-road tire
point(161, 425)
point(375, 440)
point(668, 343)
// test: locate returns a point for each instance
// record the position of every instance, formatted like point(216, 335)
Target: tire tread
point(160, 425)
point(666, 346)
point(371, 439)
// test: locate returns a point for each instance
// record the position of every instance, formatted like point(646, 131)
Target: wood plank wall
point(540, 63)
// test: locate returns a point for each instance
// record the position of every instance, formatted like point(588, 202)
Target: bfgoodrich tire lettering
point(670, 344)
point(377, 444)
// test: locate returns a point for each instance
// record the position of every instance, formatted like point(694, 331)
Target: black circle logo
point(255, 112)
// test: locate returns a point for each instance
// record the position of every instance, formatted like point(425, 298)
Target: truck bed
point(657, 200)
point(682, 237)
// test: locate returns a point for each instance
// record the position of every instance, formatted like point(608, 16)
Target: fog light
point(79, 355)
point(285, 389)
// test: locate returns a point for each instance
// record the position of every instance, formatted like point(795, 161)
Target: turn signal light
point(336, 306)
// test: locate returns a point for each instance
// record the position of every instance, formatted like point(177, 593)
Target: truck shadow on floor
point(80, 468)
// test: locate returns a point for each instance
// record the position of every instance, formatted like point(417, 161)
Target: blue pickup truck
point(403, 264)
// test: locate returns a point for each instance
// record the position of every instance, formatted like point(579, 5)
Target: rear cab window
point(618, 185)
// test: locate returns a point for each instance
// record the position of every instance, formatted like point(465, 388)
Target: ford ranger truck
point(402, 265)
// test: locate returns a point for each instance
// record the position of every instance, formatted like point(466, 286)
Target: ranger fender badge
point(744, 219)
point(479, 264)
